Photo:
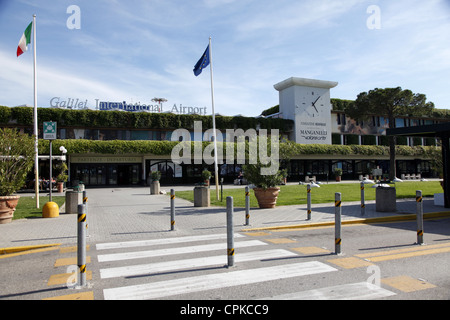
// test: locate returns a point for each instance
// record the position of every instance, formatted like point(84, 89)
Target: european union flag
point(202, 63)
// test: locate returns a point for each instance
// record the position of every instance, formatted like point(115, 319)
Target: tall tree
point(389, 103)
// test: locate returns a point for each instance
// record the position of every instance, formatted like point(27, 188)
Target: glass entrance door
point(112, 174)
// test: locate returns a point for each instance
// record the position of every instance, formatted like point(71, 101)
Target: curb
point(10, 250)
point(408, 217)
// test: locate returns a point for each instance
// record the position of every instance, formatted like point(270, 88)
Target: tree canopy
point(390, 103)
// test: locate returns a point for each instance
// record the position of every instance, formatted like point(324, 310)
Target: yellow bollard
point(50, 210)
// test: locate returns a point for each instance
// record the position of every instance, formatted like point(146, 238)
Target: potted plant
point(16, 161)
point(338, 174)
point(206, 175)
point(155, 186)
point(266, 186)
point(62, 176)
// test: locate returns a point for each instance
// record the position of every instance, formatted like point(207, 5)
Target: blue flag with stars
point(202, 63)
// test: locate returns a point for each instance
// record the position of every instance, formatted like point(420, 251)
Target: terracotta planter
point(267, 199)
point(7, 207)
point(60, 187)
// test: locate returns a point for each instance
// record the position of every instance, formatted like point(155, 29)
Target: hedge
point(164, 148)
point(133, 120)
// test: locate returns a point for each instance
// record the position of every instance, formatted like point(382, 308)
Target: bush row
point(165, 148)
point(136, 120)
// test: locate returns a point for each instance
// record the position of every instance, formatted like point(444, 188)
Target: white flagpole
point(36, 157)
point(216, 168)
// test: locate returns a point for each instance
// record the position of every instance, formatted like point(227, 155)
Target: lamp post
point(160, 101)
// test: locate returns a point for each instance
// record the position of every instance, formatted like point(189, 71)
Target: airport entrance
point(106, 171)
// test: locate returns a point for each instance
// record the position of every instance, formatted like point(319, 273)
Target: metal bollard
point(82, 244)
point(419, 210)
point(85, 198)
point(363, 199)
point(338, 221)
point(230, 232)
point(172, 209)
point(85, 201)
point(308, 201)
point(247, 206)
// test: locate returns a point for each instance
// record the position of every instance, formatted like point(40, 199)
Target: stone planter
point(202, 197)
point(386, 199)
point(439, 199)
point(267, 199)
point(7, 207)
point(73, 199)
point(155, 187)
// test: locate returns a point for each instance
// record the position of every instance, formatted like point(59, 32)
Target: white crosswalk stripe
point(166, 266)
point(157, 258)
point(177, 250)
point(153, 242)
point(214, 281)
point(352, 291)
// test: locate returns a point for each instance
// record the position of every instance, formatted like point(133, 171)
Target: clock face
point(311, 104)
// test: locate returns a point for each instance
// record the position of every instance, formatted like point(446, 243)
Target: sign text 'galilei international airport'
point(77, 103)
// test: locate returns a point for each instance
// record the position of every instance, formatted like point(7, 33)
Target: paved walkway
point(126, 214)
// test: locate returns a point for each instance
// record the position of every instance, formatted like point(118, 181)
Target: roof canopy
point(435, 130)
point(293, 81)
point(432, 130)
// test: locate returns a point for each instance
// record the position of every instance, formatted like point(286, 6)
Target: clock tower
point(307, 102)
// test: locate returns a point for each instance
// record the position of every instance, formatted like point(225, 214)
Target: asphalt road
point(290, 264)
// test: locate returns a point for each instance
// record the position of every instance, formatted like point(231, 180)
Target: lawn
point(296, 194)
point(27, 207)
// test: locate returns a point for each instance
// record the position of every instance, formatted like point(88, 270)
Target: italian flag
point(25, 40)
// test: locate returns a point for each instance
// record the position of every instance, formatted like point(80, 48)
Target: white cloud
point(142, 49)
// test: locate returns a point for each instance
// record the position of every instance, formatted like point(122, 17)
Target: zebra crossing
point(134, 269)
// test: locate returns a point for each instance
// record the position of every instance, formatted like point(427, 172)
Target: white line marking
point(178, 250)
point(153, 242)
point(166, 266)
point(352, 291)
point(214, 281)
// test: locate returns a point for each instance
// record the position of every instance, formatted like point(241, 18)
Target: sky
point(136, 50)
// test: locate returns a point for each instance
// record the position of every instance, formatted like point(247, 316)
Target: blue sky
point(137, 50)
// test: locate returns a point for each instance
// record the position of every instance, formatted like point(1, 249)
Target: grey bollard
point(85, 202)
point(363, 199)
point(419, 209)
point(172, 209)
point(230, 232)
point(338, 222)
point(82, 245)
point(247, 206)
point(308, 201)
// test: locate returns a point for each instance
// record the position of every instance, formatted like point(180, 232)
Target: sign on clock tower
point(307, 102)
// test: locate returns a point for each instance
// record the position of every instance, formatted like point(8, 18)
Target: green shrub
point(16, 160)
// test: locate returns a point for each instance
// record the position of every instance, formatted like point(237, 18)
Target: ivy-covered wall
point(133, 120)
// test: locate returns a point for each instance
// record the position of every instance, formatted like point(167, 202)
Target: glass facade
point(112, 134)
point(353, 169)
point(106, 174)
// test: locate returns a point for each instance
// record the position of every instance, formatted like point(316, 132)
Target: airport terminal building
point(119, 144)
